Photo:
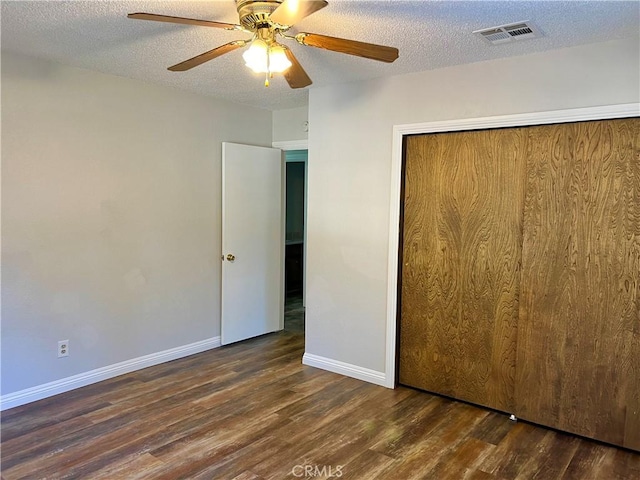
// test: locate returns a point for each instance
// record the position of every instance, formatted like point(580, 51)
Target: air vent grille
point(520, 29)
point(508, 33)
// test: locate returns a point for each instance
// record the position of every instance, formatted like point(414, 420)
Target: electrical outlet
point(63, 348)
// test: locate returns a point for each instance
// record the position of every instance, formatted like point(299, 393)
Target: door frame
point(481, 123)
point(298, 145)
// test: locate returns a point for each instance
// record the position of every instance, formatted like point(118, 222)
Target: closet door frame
point(399, 131)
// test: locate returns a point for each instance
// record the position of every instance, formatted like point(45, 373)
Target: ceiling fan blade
point(351, 47)
point(295, 75)
point(184, 21)
point(206, 56)
point(292, 11)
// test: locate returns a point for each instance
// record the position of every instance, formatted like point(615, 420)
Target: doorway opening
point(295, 235)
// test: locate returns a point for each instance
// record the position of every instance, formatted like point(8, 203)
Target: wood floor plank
point(440, 442)
point(258, 422)
point(424, 421)
point(245, 457)
point(519, 446)
point(587, 460)
point(51, 414)
point(19, 449)
point(133, 467)
point(554, 453)
point(368, 464)
point(459, 460)
point(493, 428)
point(623, 465)
point(247, 476)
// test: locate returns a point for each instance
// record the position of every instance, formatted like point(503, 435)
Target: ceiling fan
point(267, 21)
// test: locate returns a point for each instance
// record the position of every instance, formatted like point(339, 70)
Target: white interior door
point(252, 242)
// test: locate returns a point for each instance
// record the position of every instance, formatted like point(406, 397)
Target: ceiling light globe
point(256, 56)
point(278, 61)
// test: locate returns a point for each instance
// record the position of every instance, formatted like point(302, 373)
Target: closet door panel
point(462, 234)
point(578, 355)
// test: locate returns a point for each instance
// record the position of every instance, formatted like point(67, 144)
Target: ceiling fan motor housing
point(255, 12)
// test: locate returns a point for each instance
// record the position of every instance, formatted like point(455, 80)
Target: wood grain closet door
point(578, 361)
point(462, 237)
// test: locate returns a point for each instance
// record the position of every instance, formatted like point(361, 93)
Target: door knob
point(231, 257)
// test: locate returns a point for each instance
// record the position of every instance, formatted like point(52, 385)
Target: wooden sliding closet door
point(462, 237)
point(578, 361)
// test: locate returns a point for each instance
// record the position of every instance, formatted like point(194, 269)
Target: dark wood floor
point(252, 411)
point(294, 313)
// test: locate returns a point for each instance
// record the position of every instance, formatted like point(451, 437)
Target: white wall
point(110, 217)
point(349, 172)
point(289, 124)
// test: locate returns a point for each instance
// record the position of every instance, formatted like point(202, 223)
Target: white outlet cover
point(63, 348)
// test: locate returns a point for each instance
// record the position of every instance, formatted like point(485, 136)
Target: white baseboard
point(39, 392)
point(347, 369)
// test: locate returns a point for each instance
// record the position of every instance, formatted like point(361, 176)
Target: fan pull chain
point(266, 75)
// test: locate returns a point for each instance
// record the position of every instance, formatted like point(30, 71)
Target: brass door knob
point(231, 257)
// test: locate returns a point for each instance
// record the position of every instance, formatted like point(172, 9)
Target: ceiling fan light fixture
point(256, 56)
point(266, 19)
point(278, 61)
point(263, 58)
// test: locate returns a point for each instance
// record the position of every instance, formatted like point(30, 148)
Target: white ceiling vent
point(509, 33)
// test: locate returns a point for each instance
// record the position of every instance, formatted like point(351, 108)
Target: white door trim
point(399, 131)
point(300, 145)
point(291, 145)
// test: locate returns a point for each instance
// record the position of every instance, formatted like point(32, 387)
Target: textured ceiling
point(97, 35)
